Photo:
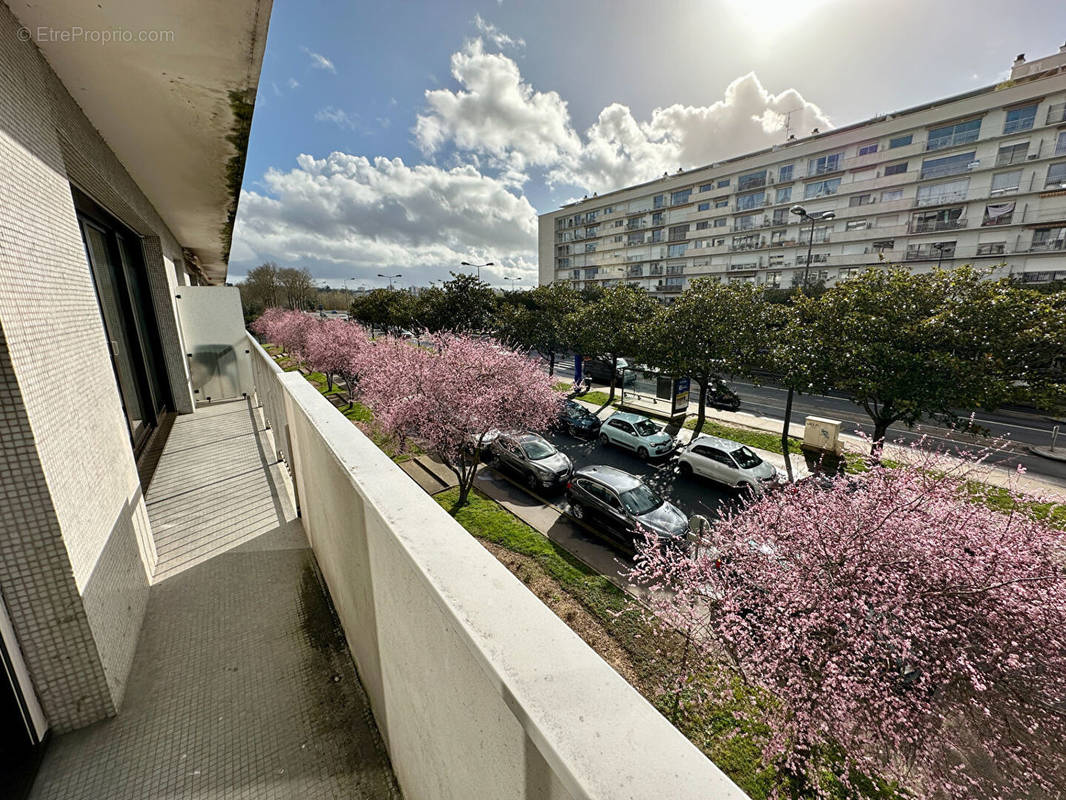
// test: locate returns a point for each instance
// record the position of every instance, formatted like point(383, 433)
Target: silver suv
point(533, 458)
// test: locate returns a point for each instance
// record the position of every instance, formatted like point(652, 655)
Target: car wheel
point(686, 469)
point(577, 511)
point(531, 481)
point(642, 453)
point(603, 438)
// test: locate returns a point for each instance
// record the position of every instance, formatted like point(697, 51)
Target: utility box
point(822, 434)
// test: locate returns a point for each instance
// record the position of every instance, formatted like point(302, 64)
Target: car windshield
point(746, 458)
point(537, 449)
point(641, 500)
point(646, 427)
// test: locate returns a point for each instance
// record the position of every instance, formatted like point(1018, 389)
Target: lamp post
point(476, 266)
point(821, 216)
point(390, 277)
point(940, 247)
point(514, 281)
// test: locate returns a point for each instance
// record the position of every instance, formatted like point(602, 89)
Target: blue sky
point(407, 136)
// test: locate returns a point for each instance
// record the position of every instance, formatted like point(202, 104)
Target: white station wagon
point(728, 462)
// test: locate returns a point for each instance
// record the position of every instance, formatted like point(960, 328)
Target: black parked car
point(600, 370)
point(577, 420)
point(620, 505)
point(533, 458)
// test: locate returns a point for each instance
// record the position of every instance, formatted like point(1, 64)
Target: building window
point(896, 169)
point(704, 206)
point(656, 236)
point(868, 149)
point(949, 165)
point(678, 232)
point(635, 238)
point(749, 201)
point(784, 195)
point(931, 250)
point(1020, 119)
point(901, 141)
point(706, 187)
point(591, 272)
point(745, 223)
point(821, 188)
point(749, 242)
point(1056, 175)
point(658, 201)
point(951, 135)
point(856, 225)
point(780, 216)
point(1005, 182)
point(861, 200)
point(562, 263)
point(723, 183)
point(721, 202)
point(1060, 145)
point(679, 198)
point(1049, 239)
point(784, 174)
point(720, 222)
point(1013, 153)
point(943, 219)
point(676, 250)
point(700, 226)
point(824, 164)
point(753, 180)
point(719, 242)
point(618, 238)
point(891, 194)
point(950, 192)
point(998, 214)
point(618, 223)
point(991, 248)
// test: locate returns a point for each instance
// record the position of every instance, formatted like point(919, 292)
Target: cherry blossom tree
point(286, 328)
point(895, 625)
point(453, 394)
point(336, 347)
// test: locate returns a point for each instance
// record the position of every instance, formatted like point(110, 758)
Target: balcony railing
point(940, 199)
point(1003, 219)
point(668, 287)
point(945, 170)
point(1049, 246)
point(964, 137)
point(1019, 125)
point(932, 226)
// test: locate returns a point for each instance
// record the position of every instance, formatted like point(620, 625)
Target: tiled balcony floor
point(242, 685)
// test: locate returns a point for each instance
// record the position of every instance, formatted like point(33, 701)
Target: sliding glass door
point(116, 261)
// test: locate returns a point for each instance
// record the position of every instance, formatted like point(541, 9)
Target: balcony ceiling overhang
point(169, 108)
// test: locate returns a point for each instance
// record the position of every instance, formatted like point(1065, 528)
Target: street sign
point(681, 390)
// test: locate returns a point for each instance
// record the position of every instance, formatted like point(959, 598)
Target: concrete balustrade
point(479, 690)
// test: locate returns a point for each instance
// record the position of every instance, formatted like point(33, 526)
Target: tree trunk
point(551, 364)
point(329, 381)
point(614, 377)
point(784, 434)
point(701, 413)
point(880, 431)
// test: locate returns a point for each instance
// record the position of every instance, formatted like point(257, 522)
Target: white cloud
point(293, 83)
point(337, 116)
point(319, 61)
point(495, 35)
point(352, 216)
point(496, 113)
point(619, 150)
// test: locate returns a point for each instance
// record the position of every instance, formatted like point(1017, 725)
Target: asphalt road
point(1018, 430)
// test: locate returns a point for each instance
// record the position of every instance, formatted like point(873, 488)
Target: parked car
point(721, 396)
point(600, 370)
point(637, 433)
point(728, 462)
point(621, 505)
point(577, 420)
point(533, 458)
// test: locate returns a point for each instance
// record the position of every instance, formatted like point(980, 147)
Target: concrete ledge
point(478, 688)
point(1047, 452)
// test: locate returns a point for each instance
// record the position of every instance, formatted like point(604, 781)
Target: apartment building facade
point(979, 179)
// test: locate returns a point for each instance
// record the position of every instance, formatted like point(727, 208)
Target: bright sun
point(771, 18)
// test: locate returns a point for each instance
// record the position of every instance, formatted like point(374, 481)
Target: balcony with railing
point(932, 226)
point(940, 198)
point(669, 287)
point(953, 140)
point(945, 170)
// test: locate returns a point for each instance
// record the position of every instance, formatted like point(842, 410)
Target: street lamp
point(477, 266)
point(390, 277)
point(513, 280)
point(821, 216)
point(940, 247)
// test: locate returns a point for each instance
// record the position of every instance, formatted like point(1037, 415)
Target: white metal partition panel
point(216, 343)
